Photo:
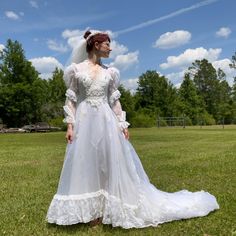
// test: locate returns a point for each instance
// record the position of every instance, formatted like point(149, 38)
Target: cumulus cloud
point(123, 62)
point(176, 78)
point(130, 84)
point(12, 15)
point(1, 47)
point(224, 65)
point(223, 32)
point(117, 49)
point(71, 33)
point(173, 39)
point(122, 58)
point(190, 55)
point(73, 37)
point(34, 4)
point(58, 47)
point(46, 65)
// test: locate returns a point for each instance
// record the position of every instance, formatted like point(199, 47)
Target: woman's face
point(103, 49)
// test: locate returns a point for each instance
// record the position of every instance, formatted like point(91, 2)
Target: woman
point(102, 179)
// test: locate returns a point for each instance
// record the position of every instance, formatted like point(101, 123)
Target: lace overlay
point(103, 89)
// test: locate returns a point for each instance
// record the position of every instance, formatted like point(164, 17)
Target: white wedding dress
point(102, 175)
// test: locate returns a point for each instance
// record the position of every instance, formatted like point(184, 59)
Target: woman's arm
point(71, 100)
point(114, 95)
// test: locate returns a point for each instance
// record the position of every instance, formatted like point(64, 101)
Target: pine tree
point(20, 98)
point(192, 103)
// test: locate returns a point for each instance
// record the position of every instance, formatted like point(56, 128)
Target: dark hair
point(99, 37)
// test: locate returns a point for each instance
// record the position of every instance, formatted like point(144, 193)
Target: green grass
point(173, 158)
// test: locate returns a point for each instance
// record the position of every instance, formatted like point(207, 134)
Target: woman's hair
point(99, 37)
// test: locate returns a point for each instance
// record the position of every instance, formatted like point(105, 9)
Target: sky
point(161, 35)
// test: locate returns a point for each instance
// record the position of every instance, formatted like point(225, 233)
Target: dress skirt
point(102, 176)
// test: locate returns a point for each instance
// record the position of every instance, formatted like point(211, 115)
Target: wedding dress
point(102, 175)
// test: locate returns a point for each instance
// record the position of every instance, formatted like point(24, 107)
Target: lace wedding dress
point(102, 175)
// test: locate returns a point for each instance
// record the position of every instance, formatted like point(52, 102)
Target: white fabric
point(102, 175)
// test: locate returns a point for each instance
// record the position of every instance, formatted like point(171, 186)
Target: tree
point(192, 103)
point(207, 84)
point(155, 93)
point(225, 101)
point(233, 91)
point(19, 84)
point(127, 102)
point(55, 97)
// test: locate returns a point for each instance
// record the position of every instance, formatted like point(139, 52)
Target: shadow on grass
point(86, 228)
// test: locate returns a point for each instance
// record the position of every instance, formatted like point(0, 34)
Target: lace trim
point(73, 209)
point(71, 95)
point(95, 102)
point(114, 97)
point(69, 116)
point(124, 125)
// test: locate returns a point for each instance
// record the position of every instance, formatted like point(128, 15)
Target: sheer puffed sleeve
point(114, 95)
point(71, 94)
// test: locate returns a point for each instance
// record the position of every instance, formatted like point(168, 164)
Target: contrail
point(173, 14)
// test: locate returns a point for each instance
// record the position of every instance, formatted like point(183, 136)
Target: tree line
point(204, 97)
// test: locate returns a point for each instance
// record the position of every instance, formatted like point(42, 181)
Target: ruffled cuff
point(69, 115)
point(71, 95)
point(114, 97)
point(123, 124)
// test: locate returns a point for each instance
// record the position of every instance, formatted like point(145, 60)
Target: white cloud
point(71, 33)
point(190, 55)
point(58, 47)
point(130, 84)
point(123, 62)
point(117, 49)
point(34, 4)
point(224, 65)
point(223, 32)
point(176, 78)
point(1, 47)
point(12, 15)
point(73, 37)
point(173, 39)
point(46, 65)
point(122, 58)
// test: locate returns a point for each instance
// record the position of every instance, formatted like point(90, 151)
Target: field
point(174, 159)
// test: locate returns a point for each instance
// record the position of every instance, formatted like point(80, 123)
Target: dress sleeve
point(113, 97)
point(71, 94)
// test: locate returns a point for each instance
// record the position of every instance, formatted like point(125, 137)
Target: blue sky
point(161, 35)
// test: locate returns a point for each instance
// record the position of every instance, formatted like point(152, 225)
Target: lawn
point(174, 159)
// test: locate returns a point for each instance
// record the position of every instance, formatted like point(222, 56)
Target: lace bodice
point(83, 88)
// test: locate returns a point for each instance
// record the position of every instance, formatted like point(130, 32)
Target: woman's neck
point(93, 58)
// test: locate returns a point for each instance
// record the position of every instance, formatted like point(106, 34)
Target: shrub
point(142, 120)
point(58, 122)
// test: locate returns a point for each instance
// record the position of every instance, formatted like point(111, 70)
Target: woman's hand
point(126, 133)
point(69, 133)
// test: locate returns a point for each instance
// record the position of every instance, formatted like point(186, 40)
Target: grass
point(173, 158)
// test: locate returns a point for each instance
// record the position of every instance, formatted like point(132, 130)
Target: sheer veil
point(79, 53)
